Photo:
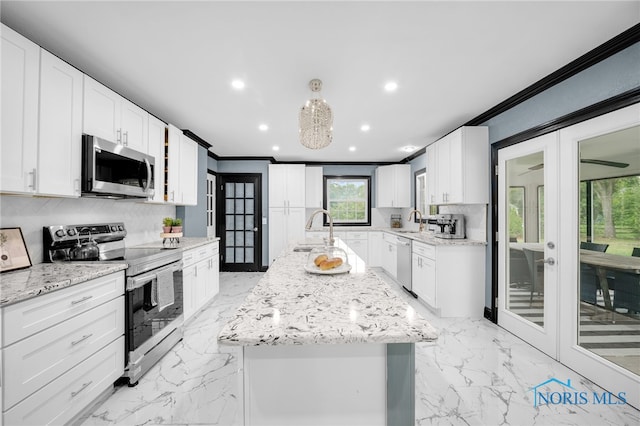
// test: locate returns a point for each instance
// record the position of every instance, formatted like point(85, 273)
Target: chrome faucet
point(310, 221)
point(419, 213)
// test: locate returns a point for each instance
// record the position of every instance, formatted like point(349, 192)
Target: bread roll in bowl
point(334, 262)
point(321, 258)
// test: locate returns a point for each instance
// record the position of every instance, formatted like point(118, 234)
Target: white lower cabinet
point(61, 400)
point(450, 278)
point(389, 254)
point(423, 272)
point(67, 348)
point(359, 243)
point(375, 248)
point(200, 277)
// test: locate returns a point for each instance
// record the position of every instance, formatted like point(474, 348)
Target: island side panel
point(401, 384)
point(342, 384)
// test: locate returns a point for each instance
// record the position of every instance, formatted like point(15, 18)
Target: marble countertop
point(185, 243)
point(292, 307)
point(43, 278)
point(424, 237)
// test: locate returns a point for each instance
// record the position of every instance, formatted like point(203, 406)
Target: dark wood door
point(239, 224)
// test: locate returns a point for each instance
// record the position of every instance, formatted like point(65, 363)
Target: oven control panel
point(57, 234)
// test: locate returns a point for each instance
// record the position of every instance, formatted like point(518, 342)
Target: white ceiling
point(451, 60)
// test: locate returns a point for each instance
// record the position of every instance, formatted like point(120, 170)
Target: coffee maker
point(450, 226)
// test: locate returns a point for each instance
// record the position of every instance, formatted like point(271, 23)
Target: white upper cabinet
point(313, 187)
point(134, 126)
point(432, 173)
point(458, 167)
point(182, 179)
point(393, 186)
point(20, 68)
point(156, 135)
point(112, 117)
point(60, 128)
point(287, 185)
point(189, 171)
point(101, 111)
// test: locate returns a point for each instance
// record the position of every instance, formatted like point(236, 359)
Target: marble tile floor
point(476, 374)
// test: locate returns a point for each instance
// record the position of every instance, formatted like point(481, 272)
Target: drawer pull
point(75, 302)
point(82, 339)
point(74, 394)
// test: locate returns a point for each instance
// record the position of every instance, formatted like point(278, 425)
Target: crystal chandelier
point(316, 120)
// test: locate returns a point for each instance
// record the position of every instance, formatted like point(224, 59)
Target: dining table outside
point(601, 262)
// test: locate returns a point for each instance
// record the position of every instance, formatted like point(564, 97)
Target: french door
point(568, 275)
point(239, 222)
point(527, 241)
point(600, 332)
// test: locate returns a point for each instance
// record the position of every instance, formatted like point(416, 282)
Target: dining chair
point(589, 284)
point(585, 245)
point(627, 292)
point(535, 261)
point(518, 268)
point(590, 277)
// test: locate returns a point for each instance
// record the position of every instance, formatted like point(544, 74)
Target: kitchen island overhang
point(326, 349)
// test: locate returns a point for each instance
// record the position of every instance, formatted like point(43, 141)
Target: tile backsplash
point(142, 221)
point(475, 219)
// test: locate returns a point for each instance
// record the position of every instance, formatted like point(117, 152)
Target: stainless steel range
point(153, 293)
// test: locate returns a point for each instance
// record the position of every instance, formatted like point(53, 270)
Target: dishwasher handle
point(404, 241)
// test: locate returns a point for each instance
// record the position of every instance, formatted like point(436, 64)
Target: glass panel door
point(526, 246)
point(600, 198)
point(240, 227)
point(609, 275)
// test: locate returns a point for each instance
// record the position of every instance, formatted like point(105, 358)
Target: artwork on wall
point(13, 250)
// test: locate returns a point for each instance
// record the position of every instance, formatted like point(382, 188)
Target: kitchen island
point(326, 349)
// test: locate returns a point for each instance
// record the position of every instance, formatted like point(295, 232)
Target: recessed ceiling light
point(352, 148)
point(263, 127)
point(365, 127)
point(391, 86)
point(237, 84)
point(409, 148)
point(276, 148)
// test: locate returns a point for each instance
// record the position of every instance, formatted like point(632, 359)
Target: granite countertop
point(185, 243)
point(424, 237)
point(43, 278)
point(289, 306)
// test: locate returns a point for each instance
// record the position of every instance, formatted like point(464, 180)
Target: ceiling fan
point(590, 161)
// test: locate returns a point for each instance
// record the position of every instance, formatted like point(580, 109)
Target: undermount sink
point(309, 243)
point(405, 231)
point(303, 248)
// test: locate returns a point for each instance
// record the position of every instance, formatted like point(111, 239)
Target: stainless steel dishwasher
point(404, 265)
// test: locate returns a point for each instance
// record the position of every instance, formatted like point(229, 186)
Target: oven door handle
point(140, 280)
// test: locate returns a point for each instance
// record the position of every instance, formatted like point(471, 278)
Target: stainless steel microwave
point(113, 170)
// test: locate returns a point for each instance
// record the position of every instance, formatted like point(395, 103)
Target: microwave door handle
point(149, 177)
